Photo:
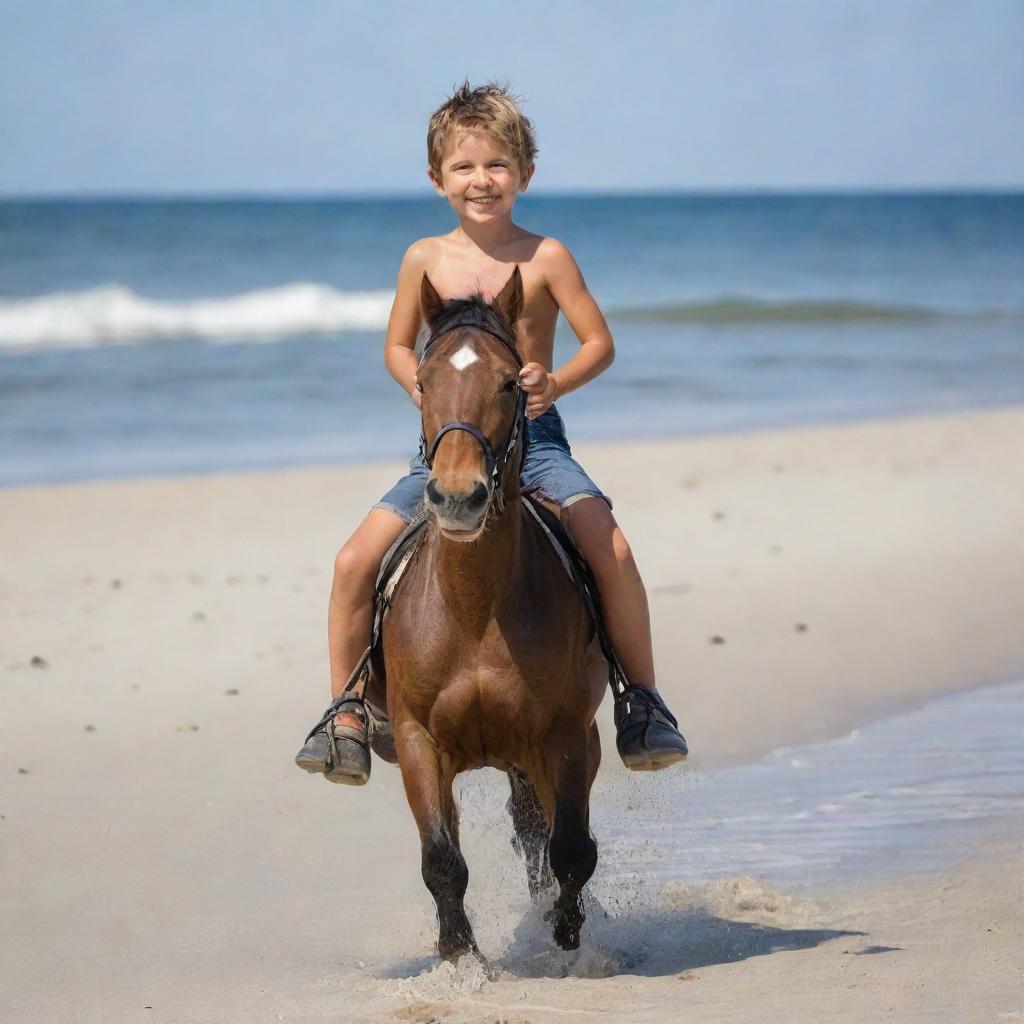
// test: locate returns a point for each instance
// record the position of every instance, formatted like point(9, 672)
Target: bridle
point(475, 316)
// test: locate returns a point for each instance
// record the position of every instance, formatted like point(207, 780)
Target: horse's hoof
point(568, 922)
point(455, 937)
point(457, 947)
point(567, 935)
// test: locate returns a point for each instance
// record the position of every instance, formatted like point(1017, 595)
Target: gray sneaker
point(338, 745)
point(647, 733)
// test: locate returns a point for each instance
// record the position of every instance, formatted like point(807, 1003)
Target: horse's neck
point(476, 575)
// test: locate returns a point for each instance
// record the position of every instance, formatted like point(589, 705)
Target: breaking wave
point(116, 315)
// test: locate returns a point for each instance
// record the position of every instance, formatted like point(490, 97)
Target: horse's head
point(472, 405)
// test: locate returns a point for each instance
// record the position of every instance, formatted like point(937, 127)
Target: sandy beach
point(162, 656)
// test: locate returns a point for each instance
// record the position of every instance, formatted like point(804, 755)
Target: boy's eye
point(468, 167)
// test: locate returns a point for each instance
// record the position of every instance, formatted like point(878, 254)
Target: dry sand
point(162, 654)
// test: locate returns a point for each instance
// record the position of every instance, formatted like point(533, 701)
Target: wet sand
point(162, 655)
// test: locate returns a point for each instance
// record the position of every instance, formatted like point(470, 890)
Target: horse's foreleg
point(570, 766)
point(532, 831)
point(428, 788)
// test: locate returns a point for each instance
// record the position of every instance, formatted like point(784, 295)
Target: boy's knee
point(615, 558)
point(600, 539)
point(621, 551)
point(612, 559)
point(353, 569)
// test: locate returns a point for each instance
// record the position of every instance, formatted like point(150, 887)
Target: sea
point(174, 336)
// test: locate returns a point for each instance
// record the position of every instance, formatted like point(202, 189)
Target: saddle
point(368, 677)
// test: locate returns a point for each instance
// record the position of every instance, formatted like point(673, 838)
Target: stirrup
point(341, 753)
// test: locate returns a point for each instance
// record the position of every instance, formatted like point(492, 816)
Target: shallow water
point(905, 793)
point(909, 792)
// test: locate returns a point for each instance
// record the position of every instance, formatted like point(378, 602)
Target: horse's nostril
point(478, 498)
point(456, 504)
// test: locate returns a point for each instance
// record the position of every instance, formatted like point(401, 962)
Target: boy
point(481, 150)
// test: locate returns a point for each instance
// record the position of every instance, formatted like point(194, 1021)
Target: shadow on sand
point(653, 943)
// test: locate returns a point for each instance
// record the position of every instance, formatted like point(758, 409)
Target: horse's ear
point(430, 302)
point(509, 301)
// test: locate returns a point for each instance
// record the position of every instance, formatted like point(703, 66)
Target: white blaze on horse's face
point(464, 357)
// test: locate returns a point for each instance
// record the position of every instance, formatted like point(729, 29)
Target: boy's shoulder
point(423, 248)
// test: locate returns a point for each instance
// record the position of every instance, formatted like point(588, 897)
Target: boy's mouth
point(483, 200)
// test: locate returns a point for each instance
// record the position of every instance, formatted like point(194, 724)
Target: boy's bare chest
point(454, 278)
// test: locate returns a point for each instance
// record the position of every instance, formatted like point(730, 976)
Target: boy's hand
point(416, 395)
point(540, 386)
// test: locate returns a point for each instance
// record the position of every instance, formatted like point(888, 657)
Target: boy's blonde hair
point(489, 108)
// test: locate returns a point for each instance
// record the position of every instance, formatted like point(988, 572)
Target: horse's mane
point(474, 311)
point(475, 304)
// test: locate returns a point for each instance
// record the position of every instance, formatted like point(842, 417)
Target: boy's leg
point(647, 734)
point(350, 608)
point(338, 747)
point(623, 596)
point(648, 737)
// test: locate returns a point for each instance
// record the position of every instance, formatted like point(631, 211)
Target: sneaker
point(338, 747)
point(647, 733)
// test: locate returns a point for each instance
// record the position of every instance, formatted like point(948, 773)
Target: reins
point(475, 316)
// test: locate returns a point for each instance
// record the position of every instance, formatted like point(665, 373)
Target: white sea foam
point(116, 315)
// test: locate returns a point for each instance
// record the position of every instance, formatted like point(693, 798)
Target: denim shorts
point(549, 465)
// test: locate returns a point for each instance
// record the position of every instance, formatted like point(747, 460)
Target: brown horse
point(489, 653)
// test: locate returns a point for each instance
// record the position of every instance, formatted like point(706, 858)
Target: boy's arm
point(405, 320)
point(597, 349)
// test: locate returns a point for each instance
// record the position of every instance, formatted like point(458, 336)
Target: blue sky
point(184, 96)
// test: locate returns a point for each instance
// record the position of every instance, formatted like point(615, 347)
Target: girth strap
point(583, 580)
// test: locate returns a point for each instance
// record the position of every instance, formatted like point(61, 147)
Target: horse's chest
point(467, 669)
point(508, 651)
point(450, 676)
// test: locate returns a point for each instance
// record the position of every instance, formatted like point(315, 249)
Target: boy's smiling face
point(480, 177)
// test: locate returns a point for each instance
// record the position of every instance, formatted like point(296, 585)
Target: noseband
point(474, 316)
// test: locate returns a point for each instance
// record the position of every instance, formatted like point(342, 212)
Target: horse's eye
point(419, 387)
point(510, 385)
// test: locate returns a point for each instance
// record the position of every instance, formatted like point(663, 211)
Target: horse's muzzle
point(458, 512)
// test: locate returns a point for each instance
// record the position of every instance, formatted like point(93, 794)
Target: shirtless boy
point(481, 152)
